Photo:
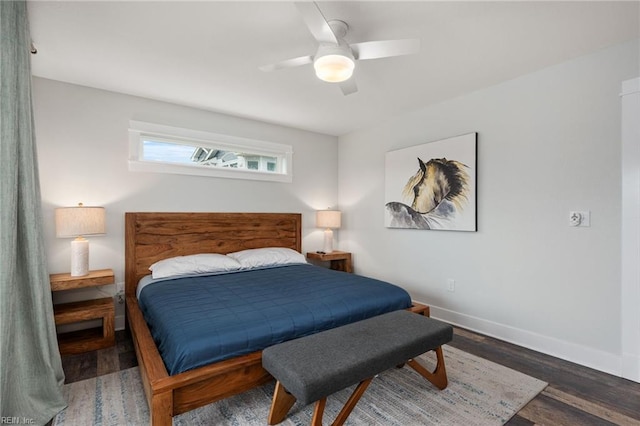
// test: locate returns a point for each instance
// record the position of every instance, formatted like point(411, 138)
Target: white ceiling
point(206, 54)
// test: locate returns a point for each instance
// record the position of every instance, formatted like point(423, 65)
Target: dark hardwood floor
point(104, 361)
point(576, 395)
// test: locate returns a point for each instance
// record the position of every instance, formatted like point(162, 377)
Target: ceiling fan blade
point(348, 86)
point(385, 48)
point(289, 63)
point(316, 22)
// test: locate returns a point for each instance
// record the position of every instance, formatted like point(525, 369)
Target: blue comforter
point(199, 320)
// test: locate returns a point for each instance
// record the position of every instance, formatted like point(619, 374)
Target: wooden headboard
point(150, 237)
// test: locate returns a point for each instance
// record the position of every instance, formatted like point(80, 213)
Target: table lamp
point(77, 222)
point(328, 219)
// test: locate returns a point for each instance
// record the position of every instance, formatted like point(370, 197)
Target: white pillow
point(193, 264)
point(269, 256)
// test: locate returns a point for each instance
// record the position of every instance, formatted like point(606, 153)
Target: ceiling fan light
point(334, 68)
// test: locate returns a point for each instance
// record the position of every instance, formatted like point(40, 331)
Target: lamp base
point(328, 241)
point(79, 257)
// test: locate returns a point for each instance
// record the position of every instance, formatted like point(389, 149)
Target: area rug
point(480, 393)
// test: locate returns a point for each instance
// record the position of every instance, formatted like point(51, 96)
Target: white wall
point(82, 143)
point(548, 143)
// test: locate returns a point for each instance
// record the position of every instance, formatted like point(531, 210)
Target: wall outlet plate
point(119, 288)
point(451, 284)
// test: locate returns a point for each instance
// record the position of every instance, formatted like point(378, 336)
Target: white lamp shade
point(328, 219)
point(78, 221)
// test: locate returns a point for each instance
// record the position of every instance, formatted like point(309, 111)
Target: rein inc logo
point(17, 421)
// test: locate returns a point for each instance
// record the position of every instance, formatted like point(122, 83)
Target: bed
point(151, 237)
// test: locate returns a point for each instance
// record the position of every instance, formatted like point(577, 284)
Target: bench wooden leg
point(351, 403)
point(318, 411)
point(439, 376)
point(281, 404)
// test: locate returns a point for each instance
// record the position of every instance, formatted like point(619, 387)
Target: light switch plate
point(580, 218)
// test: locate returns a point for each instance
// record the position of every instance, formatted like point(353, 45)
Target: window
point(165, 149)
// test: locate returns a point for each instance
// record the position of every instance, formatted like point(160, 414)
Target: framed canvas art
point(433, 185)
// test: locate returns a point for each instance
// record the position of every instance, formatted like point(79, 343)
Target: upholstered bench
point(313, 367)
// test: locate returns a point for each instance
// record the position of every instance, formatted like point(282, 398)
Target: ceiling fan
point(334, 61)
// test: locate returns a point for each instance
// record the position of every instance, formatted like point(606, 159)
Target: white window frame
point(140, 131)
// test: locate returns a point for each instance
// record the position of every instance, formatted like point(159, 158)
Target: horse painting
point(436, 192)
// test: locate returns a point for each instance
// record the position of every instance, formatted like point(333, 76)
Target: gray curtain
point(31, 375)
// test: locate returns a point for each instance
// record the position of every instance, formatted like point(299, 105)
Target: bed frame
point(150, 237)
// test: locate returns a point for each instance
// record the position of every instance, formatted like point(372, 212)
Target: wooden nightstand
point(340, 260)
point(67, 313)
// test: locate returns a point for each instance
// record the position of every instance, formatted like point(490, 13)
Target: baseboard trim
point(631, 367)
point(588, 357)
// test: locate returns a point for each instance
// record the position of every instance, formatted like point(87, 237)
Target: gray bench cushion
point(319, 365)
